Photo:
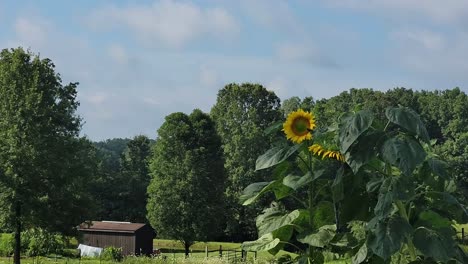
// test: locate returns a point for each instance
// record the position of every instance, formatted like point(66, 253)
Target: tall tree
point(42, 159)
point(241, 113)
point(186, 189)
point(136, 178)
point(107, 200)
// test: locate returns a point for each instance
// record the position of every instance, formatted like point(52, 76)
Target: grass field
point(173, 252)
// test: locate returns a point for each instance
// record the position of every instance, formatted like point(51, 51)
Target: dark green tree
point(136, 178)
point(186, 190)
point(241, 113)
point(107, 200)
point(44, 164)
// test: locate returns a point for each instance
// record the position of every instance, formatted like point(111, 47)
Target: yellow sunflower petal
point(298, 126)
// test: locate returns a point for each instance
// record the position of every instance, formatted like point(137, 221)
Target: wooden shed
point(133, 238)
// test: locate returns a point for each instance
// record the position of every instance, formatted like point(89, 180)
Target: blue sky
point(138, 61)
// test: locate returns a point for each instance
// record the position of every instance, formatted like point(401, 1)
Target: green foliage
point(45, 165)
point(392, 198)
point(122, 164)
point(38, 242)
point(186, 189)
point(241, 114)
point(135, 179)
point(6, 245)
point(112, 253)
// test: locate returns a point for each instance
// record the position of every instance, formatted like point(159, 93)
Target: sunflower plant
point(366, 189)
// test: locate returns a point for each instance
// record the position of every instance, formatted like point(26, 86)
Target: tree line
point(187, 182)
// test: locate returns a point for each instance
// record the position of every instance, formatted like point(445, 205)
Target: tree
point(294, 103)
point(44, 164)
point(135, 176)
point(107, 200)
point(241, 114)
point(186, 190)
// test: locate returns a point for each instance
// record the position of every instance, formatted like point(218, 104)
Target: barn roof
point(110, 226)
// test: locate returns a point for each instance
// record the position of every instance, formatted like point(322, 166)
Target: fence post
point(220, 251)
point(463, 236)
point(255, 255)
point(206, 251)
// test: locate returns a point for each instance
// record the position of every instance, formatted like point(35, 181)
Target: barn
point(133, 238)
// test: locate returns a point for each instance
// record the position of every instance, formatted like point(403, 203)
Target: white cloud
point(420, 39)
point(118, 53)
point(306, 52)
point(279, 85)
point(208, 77)
point(32, 30)
point(151, 101)
point(275, 15)
point(96, 98)
point(432, 52)
point(447, 11)
point(174, 23)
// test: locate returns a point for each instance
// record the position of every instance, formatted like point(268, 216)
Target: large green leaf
point(338, 186)
point(447, 203)
point(283, 234)
point(361, 255)
point(270, 222)
point(265, 242)
point(434, 220)
point(374, 183)
point(437, 245)
point(363, 150)
point(275, 156)
point(344, 240)
point(273, 128)
point(251, 192)
point(297, 182)
point(302, 223)
point(403, 152)
point(387, 237)
point(403, 187)
point(408, 119)
point(438, 167)
point(319, 238)
point(384, 205)
point(352, 126)
point(255, 190)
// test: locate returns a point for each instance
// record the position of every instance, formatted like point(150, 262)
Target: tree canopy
point(45, 165)
point(242, 113)
point(186, 189)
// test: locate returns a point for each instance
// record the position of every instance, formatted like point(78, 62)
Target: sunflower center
point(300, 126)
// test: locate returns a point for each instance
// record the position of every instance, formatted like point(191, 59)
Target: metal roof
point(110, 226)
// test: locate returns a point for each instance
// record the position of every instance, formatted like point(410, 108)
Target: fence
point(463, 236)
point(230, 255)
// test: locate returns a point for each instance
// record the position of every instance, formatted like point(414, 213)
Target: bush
point(112, 253)
point(38, 242)
point(71, 253)
point(6, 245)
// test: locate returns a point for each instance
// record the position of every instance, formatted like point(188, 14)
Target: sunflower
point(298, 126)
point(320, 151)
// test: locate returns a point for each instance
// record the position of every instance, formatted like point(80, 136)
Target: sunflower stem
point(311, 200)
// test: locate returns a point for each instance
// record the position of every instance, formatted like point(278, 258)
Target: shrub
point(38, 242)
point(6, 245)
point(112, 253)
